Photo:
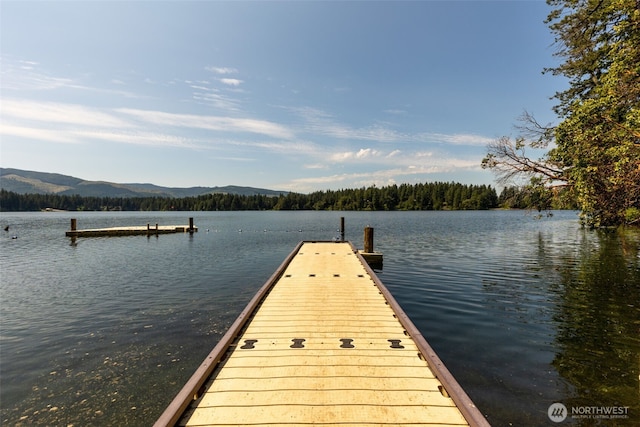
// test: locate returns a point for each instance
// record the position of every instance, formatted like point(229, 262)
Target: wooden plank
point(324, 397)
point(328, 353)
point(286, 333)
point(330, 383)
point(246, 424)
point(344, 359)
point(329, 414)
point(321, 370)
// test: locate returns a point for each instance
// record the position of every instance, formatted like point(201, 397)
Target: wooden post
point(148, 228)
point(73, 224)
point(374, 259)
point(191, 225)
point(342, 228)
point(368, 239)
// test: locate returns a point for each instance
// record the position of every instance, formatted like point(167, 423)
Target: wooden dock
point(131, 231)
point(323, 342)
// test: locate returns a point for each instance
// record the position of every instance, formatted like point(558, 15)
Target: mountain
point(25, 182)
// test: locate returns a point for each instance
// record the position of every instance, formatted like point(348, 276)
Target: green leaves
point(597, 143)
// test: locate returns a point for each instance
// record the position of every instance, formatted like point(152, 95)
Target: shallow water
point(524, 312)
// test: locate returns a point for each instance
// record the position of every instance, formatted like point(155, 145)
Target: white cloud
point(316, 166)
point(231, 82)
point(222, 70)
point(395, 111)
point(362, 154)
point(367, 152)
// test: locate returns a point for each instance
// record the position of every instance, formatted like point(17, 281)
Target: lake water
point(524, 312)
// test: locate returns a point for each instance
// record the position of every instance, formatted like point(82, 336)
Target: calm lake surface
point(523, 312)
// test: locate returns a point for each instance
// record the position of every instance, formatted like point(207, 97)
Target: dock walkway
point(130, 230)
point(326, 344)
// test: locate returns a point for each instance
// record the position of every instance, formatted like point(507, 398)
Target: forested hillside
point(428, 196)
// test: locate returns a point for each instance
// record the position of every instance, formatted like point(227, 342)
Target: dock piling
point(190, 225)
point(374, 259)
point(74, 224)
point(342, 229)
point(368, 239)
point(150, 230)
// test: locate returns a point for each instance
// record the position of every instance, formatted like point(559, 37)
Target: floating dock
point(131, 231)
point(322, 342)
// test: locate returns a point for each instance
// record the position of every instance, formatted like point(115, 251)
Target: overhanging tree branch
point(508, 159)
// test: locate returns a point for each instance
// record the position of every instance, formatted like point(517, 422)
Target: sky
point(296, 96)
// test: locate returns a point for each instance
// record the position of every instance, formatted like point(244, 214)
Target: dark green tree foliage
point(529, 197)
point(598, 141)
point(596, 146)
point(428, 196)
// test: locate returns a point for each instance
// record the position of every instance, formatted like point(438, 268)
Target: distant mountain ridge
point(31, 182)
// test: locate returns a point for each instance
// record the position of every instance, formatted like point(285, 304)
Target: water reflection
point(524, 313)
point(598, 325)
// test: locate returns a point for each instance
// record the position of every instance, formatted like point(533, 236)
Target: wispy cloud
point(212, 97)
point(38, 134)
point(139, 137)
point(455, 139)
point(30, 76)
point(295, 148)
point(218, 97)
point(215, 123)
point(221, 70)
point(322, 123)
point(71, 123)
point(54, 112)
point(395, 111)
point(19, 77)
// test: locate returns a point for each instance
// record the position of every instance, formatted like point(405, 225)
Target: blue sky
point(297, 96)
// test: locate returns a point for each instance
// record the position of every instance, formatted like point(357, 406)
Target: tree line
point(424, 196)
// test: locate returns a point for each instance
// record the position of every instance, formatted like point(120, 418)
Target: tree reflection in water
point(598, 324)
